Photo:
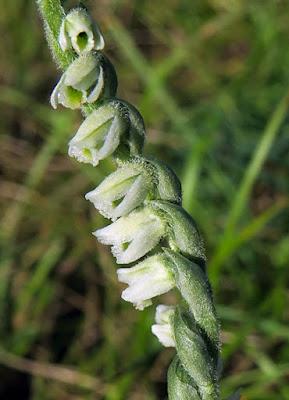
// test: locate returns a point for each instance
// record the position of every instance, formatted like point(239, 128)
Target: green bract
point(183, 234)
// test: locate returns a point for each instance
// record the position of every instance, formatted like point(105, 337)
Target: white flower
point(163, 328)
point(82, 82)
point(120, 192)
point(146, 280)
point(79, 32)
point(132, 236)
point(99, 135)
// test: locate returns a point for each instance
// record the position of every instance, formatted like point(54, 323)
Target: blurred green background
point(211, 79)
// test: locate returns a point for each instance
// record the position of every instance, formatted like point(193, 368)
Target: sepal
point(132, 236)
point(87, 79)
point(163, 329)
point(148, 279)
point(100, 134)
point(79, 32)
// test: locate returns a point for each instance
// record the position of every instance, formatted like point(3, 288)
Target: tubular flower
point(132, 236)
point(99, 135)
point(163, 329)
point(121, 192)
point(148, 279)
point(131, 184)
point(77, 31)
point(85, 81)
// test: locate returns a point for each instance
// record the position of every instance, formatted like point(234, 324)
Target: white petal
point(82, 72)
point(124, 229)
point(54, 98)
point(148, 287)
point(142, 305)
point(133, 198)
point(132, 236)
point(63, 39)
point(144, 241)
point(163, 313)
point(96, 92)
point(98, 38)
point(163, 328)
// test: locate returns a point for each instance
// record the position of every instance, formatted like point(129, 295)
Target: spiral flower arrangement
point(142, 198)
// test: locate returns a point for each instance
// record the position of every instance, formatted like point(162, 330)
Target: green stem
point(52, 14)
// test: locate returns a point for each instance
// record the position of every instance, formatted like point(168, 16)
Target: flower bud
point(99, 135)
point(121, 192)
point(132, 236)
point(163, 328)
point(88, 78)
point(148, 279)
point(77, 31)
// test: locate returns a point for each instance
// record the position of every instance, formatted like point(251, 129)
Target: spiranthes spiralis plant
point(142, 198)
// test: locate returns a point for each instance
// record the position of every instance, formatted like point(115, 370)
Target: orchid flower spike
point(148, 279)
point(163, 329)
point(100, 133)
point(77, 31)
point(132, 236)
point(143, 199)
point(88, 78)
point(131, 184)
